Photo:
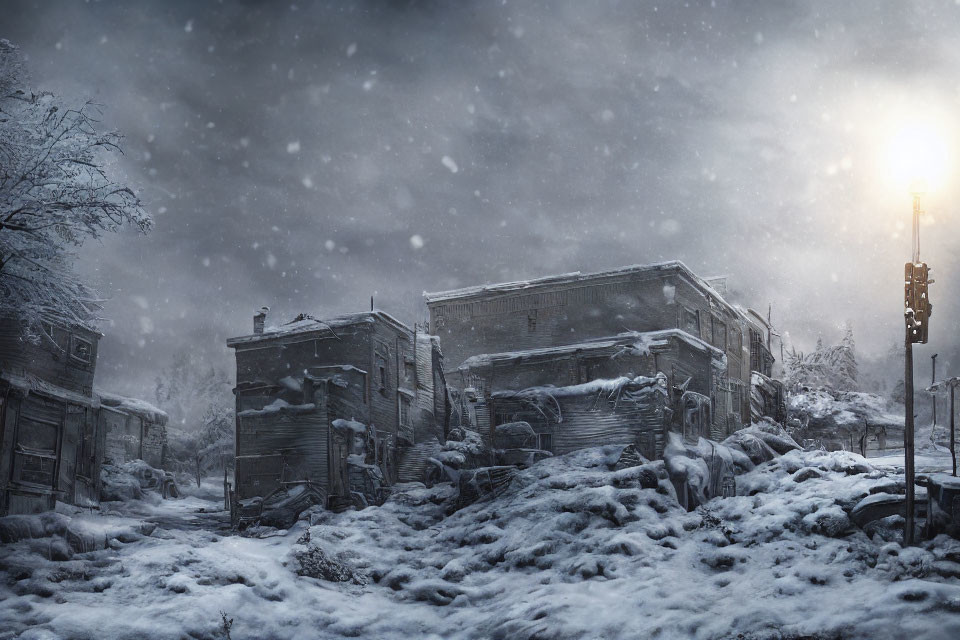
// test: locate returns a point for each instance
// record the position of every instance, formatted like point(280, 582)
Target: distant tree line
point(827, 366)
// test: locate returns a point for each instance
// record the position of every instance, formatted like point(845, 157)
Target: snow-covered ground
point(570, 550)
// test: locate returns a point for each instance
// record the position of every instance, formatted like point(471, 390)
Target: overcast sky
point(307, 156)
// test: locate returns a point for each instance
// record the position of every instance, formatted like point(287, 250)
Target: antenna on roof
point(371, 303)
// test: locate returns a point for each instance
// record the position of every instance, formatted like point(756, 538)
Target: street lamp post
point(917, 310)
point(908, 430)
point(933, 380)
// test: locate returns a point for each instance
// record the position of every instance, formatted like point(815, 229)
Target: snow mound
point(130, 480)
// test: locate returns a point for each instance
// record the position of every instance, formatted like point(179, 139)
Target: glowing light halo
point(918, 157)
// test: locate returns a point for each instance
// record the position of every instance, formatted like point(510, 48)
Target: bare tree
point(55, 193)
point(188, 387)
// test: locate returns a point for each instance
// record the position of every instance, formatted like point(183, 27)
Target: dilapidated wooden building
point(55, 430)
point(132, 429)
point(49, 444)
point(631, 389)
point(558, 311)
point(297, 382)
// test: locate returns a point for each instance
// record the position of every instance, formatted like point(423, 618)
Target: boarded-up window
point(81, 349)
point(38, 431)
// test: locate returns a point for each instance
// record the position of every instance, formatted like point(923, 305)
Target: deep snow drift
point(571, 549)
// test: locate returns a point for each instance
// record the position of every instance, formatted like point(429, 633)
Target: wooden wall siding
point(9, 410)
point(114, 426)
point(47, 362)
point(36, 458)
point(273, 359)
point(425, 388)
point(302, 436)
point(345, 402)
point(592, 420)
point(412, 461)
point(154, 437)
point(270, 360)
point(69, 448)
point(258, 475)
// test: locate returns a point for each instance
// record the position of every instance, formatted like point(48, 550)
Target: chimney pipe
point(258, 320)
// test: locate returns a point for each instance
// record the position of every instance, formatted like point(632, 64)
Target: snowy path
point(572, 550)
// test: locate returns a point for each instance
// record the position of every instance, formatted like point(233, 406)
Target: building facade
point(299, 384)
point(628, 389)
point(50, 447)
point(573, 308)
point(55, 430)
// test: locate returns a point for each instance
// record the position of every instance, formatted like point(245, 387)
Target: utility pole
point(933, 380)
point(953, 450)
point(908, 434)
point(917, 309)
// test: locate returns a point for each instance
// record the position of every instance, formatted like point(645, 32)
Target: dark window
point(532, 321)
point(404, 411)
point(382, 372)
point(690, 321)
point(545, 441)
point(719, 333)
point(81, 349)
point(37, 435)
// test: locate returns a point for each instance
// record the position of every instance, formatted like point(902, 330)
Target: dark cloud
point(289, 153)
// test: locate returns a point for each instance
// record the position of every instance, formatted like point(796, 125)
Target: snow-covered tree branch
point(55, 192)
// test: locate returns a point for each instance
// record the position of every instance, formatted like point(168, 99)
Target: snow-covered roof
point(138, 407)
point(571, 278)
point(601, 385)
point(32, 384)
point(944, 385)
point(349, 425)
point(642, 342)
point(278, 406)
point(309, 324)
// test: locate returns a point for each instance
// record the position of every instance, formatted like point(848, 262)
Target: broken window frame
point(76, 353)
point(690, 319)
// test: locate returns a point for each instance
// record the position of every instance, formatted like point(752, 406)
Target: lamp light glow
point(917, 157)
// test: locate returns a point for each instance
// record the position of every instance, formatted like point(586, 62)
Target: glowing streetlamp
point(920, 156)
